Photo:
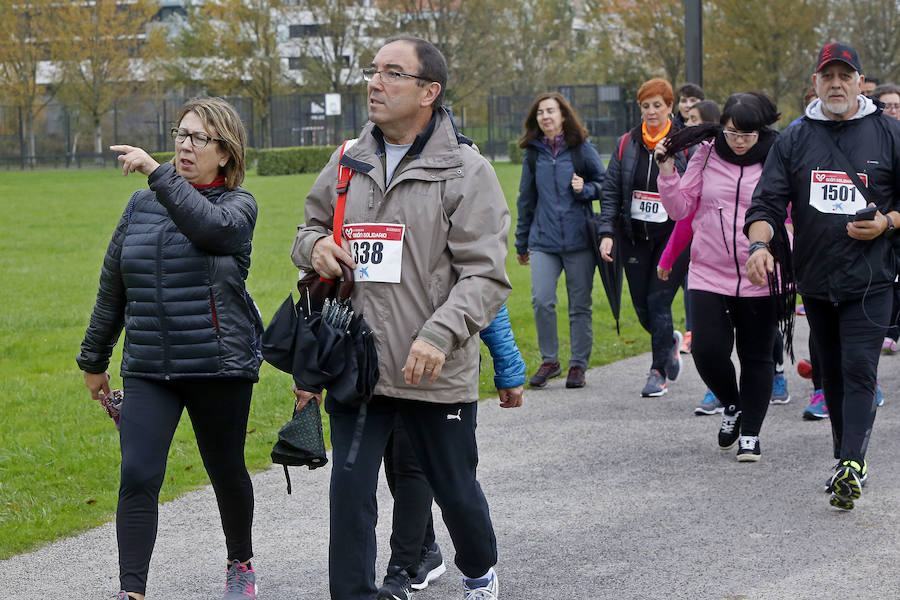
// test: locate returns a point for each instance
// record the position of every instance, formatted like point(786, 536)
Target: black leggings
point(219, 408)
point(719, 323)
point(651, 296)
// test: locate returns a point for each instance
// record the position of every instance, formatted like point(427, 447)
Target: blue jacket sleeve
point(526, 206)
point(594, 175)
point(509, 366)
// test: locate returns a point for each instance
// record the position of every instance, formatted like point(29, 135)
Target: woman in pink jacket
point(726, 308)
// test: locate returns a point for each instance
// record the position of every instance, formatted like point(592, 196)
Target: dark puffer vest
point(173, 276)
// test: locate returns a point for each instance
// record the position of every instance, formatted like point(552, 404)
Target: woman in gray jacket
point(173, 277)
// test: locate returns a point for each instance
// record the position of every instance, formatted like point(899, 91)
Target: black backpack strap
point(842, 161)
point(578, 161)
point(531, 158)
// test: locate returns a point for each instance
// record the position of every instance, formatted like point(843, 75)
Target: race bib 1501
point(645, 206)
point(377, 249)
point(833, 192)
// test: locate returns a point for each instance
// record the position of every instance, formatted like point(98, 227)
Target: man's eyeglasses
point(389, 75)
point(892, 107)
point(737, 136)
point(198, 138)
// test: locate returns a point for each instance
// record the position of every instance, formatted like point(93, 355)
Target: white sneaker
point(486, 588)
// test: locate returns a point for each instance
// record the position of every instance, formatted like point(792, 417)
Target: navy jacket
point(551, 215)
point(173, 277)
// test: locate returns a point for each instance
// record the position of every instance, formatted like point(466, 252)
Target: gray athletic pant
point(545, 269)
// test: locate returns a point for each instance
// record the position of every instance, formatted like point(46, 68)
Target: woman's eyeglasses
point(198, 138)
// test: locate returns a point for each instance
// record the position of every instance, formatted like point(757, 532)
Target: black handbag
point(301, 441)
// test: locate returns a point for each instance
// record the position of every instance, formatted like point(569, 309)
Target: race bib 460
point(645, 206)
point(833, 192)
point(377, 249)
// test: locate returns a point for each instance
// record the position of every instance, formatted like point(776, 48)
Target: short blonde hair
point(222, 121)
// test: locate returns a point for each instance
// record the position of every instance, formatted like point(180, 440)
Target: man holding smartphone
point(839, 170)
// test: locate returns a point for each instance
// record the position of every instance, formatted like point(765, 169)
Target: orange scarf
point(651, 142)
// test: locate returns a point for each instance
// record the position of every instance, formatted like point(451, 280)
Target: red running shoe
point(804, 368)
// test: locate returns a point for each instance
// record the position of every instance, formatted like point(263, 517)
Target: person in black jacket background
point(844, 267)
point(634, 221)
point(174, 277)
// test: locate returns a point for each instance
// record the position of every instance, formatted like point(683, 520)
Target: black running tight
point(218, 408)
point(720, 322)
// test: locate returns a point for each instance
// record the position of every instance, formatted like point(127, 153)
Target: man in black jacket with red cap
point(841, 159)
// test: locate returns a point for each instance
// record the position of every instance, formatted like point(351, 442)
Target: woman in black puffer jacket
point(173, 277)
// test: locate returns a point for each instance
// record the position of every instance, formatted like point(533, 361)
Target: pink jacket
point(678, 240)
point(719, 193)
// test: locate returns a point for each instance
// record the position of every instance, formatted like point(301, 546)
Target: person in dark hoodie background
point(843, 267)
point(554, 204)
point(634, 222)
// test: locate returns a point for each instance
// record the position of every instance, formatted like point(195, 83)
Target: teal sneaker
point(780, 394)
point(710, 405)
point(240, 582)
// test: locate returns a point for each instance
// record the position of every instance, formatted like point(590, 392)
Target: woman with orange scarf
point(634, 222)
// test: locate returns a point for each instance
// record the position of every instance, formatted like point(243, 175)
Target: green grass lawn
point(59, 453)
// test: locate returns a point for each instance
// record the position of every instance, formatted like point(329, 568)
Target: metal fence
point(604, 109)
point(64, 138)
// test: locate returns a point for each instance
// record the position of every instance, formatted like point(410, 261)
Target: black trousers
point(848, 336)
point(443, 439)
point(218, 408)
point(413, 526)
point(721, 322)
point(651, 296)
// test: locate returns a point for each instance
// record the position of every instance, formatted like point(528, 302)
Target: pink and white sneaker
point(889, 346)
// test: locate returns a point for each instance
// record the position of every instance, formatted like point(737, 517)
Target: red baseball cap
point(837, 51)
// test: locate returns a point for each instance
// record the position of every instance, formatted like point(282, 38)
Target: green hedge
point(162, 157)
point(516, 154)
point(289, 161)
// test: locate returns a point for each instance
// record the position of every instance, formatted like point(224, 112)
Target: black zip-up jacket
point(828, 263)
point(173, 277)
point(619, 183)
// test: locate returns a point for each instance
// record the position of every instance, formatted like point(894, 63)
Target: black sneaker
point(730, 430)
point(846, 484)
point(748, 448)
point(673, 369)
point(395, 586)
point(545, 371)
point(429, 569)
point(575, 379)
point(655, 386)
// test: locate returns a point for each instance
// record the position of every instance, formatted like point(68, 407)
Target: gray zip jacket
point(453, 277)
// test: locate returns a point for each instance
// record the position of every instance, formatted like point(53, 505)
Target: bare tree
point(333, 40)
point(24, 49)
point(231, 47)
point(104, 46)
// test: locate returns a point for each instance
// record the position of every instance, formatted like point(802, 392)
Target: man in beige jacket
point(425, 230)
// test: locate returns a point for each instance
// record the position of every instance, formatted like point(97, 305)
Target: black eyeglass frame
point(177, 132)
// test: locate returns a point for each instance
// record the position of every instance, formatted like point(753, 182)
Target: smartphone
point(866, 214)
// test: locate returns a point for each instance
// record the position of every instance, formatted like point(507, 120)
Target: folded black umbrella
point(610, 272)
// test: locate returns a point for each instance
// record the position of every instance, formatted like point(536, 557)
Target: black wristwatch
point(890, 228)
